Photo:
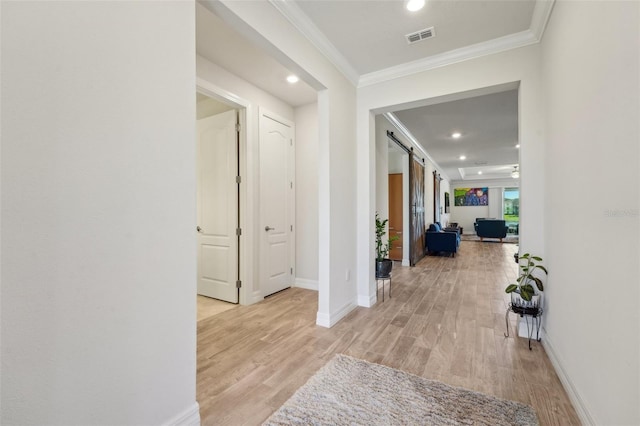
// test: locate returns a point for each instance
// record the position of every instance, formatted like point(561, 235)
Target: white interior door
point(276, 204)
point(218, 206)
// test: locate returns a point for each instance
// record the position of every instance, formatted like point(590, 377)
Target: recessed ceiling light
point(518, 146)
point(480, 172)
point(456, 135)
point(293, 79)
point(414, 5)
point(463, 157)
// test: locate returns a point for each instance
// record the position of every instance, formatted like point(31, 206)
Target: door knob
point(267, 228)
point(198, 229)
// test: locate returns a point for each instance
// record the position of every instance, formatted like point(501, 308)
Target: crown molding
point(541, 13)
point(306, 27)
point(408, 135)
point(512, 41)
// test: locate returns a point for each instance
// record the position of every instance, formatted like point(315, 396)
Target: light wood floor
point(208, 307)
point(445, 321)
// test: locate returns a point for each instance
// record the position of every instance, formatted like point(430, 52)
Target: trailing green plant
point(382, 248)
point(527, 265)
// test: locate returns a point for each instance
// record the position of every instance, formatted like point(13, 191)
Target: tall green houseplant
point(523, 285)
point(382, 248)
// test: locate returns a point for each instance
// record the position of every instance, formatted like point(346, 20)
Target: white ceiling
point(489, 128)
point(371, 34)
point(365, 39)
point(221, 44)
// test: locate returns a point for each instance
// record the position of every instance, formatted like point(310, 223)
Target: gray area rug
point(349, 391)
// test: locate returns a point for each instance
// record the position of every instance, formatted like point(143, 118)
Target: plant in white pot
point(523, 294)
point(383, 264)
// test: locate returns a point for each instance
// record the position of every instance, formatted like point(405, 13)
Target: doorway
point(218, 202)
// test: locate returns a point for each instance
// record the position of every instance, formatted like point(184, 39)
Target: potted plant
point(524, 299)
point(383, 264)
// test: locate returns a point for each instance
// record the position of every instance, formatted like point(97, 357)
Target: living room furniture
point(439, 240)
point(491, 228)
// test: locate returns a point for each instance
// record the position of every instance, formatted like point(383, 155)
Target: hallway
point(445, 321)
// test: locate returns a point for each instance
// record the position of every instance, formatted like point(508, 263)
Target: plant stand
point(383, 279)
point(534, 313)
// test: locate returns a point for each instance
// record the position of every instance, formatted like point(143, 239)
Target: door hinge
point(291, 185)
point(237, 127)
point(291, 228)
point(291, 142)
point(238, 231)
point(238, 284)
point(238, 179)
point(291, 271)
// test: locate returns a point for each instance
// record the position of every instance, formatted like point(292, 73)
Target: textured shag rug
point(350, 391)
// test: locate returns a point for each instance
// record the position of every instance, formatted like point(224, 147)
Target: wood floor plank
point(444, 321)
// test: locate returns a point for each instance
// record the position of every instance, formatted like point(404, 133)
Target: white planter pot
point(535, 302)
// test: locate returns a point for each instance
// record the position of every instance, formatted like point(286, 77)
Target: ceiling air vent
point(420, 35)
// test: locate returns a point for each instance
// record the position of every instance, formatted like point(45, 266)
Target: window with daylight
point(511, 209)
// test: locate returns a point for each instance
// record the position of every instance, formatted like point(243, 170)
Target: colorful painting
point(471, 196)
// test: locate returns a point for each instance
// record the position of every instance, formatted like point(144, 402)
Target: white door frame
point(247, 187)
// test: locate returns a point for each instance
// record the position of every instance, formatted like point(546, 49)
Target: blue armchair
point(438, 240)
point(491, 228)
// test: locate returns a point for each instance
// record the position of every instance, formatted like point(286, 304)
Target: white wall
point(382, 167)
point(337, 154)
point(306, 118)
point(210, 107)
point(592, 235)
point(397, 160)
point(98, 219)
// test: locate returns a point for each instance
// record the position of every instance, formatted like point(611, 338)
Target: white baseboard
point(367, 301)
point(581, 409)
point(406, 262)
point(256, 297)
point(308, 284)
point(190, 417)
point(329, 320)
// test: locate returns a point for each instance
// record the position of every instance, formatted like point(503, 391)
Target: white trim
point(541, 13)
point(581, 408)
point(406, 262)
point(367, 301)
point(512, 41)
point(407, 134)
point(189, 417)
point(308, 284)
point(256, 297)
point(307, 28)
point(329, 320)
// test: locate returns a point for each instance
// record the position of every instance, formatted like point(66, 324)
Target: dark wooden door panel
point(416, 214)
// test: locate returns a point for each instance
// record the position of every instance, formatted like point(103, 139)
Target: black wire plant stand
point(526, 312)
